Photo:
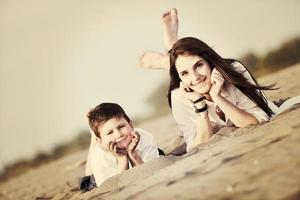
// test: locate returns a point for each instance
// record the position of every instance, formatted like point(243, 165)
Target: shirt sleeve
point(88, 170)
point(147, 148)
point(243, 102)
point(246, 104)
point(183, 116)
point(102, 168)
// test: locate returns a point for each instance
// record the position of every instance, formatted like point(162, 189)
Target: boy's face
point(115, 130)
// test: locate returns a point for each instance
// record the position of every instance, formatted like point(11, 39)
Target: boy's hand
point(117, 152)
point(134, 142)
point(133, 156)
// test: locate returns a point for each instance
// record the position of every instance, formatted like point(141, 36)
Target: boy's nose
point(117, 134)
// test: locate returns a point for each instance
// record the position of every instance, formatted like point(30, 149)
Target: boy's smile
point(115, 130)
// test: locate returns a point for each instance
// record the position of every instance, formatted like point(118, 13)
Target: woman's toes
point(173, 14)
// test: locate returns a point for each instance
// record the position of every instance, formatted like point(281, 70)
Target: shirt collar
point(225, 90)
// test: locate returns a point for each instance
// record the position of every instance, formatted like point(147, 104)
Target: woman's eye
point(199, 65)
point(183, 73)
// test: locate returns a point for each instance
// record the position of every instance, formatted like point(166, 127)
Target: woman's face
point(194, 72)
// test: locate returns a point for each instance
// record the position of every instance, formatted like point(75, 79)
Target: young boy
point(115, 144)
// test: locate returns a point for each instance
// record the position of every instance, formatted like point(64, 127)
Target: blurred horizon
point(59, 58)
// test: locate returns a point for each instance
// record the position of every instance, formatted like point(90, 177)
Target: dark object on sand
point(87, 183)
point(161, 152)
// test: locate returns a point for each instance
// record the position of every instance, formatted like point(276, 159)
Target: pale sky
point(58, 58)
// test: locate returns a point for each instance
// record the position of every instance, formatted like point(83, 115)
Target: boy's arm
point(134, 157)
point(120, 155)
point(122, 163)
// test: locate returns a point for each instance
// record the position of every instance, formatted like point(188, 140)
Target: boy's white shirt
point(103, 164)
point(185, 116)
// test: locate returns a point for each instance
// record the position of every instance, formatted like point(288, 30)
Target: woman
point(206, 91)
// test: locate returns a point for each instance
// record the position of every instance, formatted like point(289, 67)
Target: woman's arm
point(239, 117)
point(199, 129)
point(204, 130)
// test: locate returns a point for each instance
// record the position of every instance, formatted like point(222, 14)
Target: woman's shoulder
point(238, 66)
point(177, 96)
point(176, 93)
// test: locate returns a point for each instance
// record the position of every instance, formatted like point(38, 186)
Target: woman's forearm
point(239, 118)
point(204, 130)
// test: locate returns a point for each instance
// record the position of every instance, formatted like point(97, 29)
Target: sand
point(256, 162)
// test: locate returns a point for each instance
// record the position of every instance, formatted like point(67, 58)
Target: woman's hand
point(217, 82)
point(192, 95)
point(189, 93)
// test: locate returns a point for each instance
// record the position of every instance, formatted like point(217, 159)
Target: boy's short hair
point(104, 112)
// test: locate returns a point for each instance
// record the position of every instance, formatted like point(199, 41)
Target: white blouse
point(103, 165)
point(185, 116)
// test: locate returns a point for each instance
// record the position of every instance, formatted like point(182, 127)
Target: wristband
point(201, 109)
point(199, 100)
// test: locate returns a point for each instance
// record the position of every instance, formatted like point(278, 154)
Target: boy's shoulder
point(143, 132)
point(146, 138)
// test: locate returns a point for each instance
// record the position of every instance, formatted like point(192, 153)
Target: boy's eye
point(110, 132)
point(122, 126)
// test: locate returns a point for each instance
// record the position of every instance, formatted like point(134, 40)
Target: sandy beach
point(256, 162)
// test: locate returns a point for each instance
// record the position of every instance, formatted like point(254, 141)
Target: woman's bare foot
point(170, 27)
point(154, 60)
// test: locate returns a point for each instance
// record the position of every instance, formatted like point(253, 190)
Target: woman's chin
point(202, 90)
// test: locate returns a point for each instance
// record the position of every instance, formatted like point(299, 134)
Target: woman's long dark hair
point(194, 46)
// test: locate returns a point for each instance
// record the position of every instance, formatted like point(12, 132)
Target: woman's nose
point(194, 77)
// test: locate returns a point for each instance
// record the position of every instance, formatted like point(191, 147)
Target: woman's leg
point(170, 28)
point(155, 60)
